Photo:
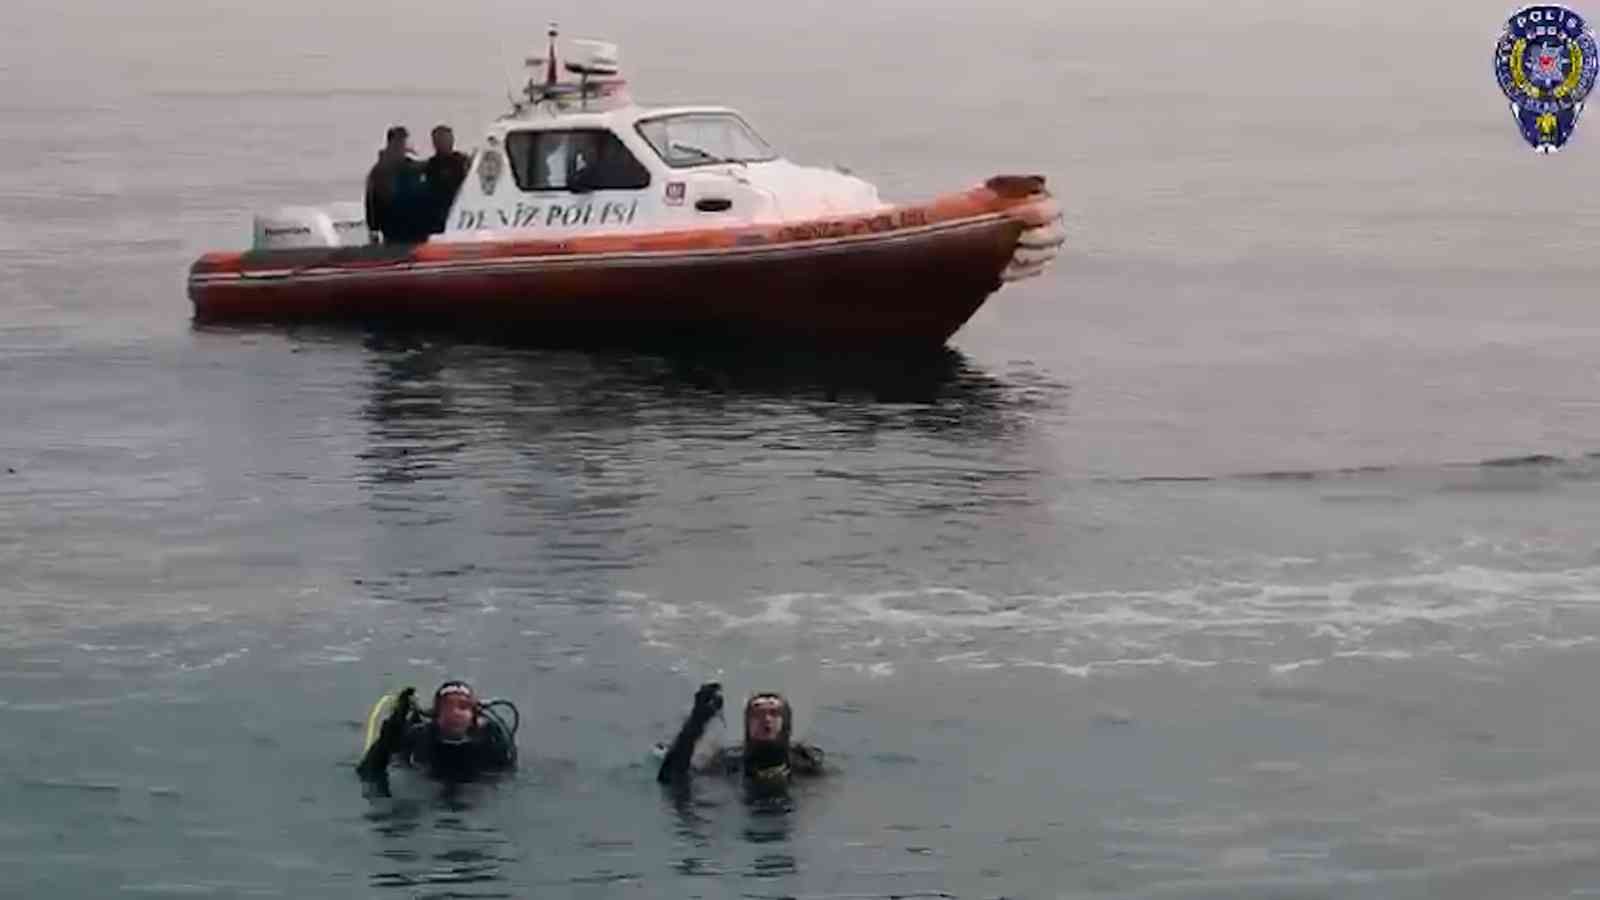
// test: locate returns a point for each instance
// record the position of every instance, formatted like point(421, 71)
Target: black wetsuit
point(769, 762)
point(799, 758)
point(486, 748)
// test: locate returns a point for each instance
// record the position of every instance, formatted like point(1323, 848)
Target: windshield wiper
point(712, 157)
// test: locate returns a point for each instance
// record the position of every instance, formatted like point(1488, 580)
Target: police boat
point(585, 215)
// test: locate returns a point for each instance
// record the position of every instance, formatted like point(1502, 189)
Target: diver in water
point(768, 758)
point(458, 740)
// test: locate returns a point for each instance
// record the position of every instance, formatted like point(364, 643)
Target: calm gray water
point(1250, 553)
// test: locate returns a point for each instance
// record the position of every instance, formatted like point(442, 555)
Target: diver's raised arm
point(707, 703)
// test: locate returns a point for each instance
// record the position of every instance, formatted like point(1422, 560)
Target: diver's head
point(455, 708)
point(767, 720)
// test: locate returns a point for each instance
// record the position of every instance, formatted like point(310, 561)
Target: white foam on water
point(1467, 612)
point(870, 670)
point(215, 662)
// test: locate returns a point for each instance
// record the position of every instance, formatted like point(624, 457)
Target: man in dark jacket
point(455, 741)
point(767, 759)
point(444, 172)
point(397, 201)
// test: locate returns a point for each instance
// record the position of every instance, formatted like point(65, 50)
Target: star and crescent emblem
point(1546, 63)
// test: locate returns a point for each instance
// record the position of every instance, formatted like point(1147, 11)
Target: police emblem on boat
point(1546, 62)
point(489, 171)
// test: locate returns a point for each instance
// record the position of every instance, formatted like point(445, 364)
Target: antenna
point(550, 58)
point(594, 62)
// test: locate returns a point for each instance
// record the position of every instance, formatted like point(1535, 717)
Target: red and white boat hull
point(911, 275)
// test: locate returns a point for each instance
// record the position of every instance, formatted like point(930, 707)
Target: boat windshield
point(702, 139)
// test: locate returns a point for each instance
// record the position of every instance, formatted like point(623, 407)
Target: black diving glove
point(707, 702)
point(404, 706)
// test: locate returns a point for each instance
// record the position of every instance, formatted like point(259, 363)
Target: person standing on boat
point(444, 173)
point(397, 200)
point(767, 759)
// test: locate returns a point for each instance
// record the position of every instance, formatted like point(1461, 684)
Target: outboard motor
point(292, 227)
point(349, 223)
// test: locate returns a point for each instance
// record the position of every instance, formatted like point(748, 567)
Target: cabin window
point(701, 139)
point(578, 160)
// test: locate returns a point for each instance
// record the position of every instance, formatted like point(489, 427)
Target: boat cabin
point(578, 156)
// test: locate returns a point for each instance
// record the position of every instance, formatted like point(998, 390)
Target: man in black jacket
point(444, 172)
point(398, 208)
point(453, 742)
